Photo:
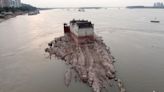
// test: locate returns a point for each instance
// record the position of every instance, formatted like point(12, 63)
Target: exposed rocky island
point(90, 60)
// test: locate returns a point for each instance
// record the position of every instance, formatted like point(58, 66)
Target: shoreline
point(6, 17)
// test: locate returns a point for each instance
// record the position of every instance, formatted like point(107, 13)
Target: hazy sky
point(79, 3)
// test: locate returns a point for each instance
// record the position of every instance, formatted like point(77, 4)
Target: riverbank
point(8, 15)
point(10, 12)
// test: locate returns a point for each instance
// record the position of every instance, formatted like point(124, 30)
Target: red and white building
point(82, 31)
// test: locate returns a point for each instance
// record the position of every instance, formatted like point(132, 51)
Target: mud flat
point(92, 63)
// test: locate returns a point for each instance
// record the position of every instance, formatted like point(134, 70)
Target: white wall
point(86, 32)
point(82, 31)
point(74, 29)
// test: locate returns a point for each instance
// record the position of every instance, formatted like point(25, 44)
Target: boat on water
point(81, 10)
point(155, 21)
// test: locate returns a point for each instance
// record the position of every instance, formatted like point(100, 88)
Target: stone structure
point(82, 31)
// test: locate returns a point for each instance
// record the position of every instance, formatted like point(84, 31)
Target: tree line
point(23, 8)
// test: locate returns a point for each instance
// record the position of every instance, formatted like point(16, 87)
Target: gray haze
point(79, 3)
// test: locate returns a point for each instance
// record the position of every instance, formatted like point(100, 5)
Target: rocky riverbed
point(91, 63)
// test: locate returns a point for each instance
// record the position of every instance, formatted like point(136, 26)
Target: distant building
point(81, 31)
point(14, 3)
point(10, 3)
point(1, 3)
point(159, 5)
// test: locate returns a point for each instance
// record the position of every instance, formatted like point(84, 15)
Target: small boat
point(81, 10)
point(155, 21)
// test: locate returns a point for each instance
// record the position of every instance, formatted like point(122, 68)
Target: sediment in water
point(92, 62)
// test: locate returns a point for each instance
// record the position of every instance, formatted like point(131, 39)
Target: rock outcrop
point(92, 62)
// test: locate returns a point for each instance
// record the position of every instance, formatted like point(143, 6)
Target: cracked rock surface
point(92, 63)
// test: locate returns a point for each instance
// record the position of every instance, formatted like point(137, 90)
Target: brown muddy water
point(137, 45)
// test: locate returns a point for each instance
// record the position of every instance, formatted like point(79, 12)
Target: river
point(137, 45)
